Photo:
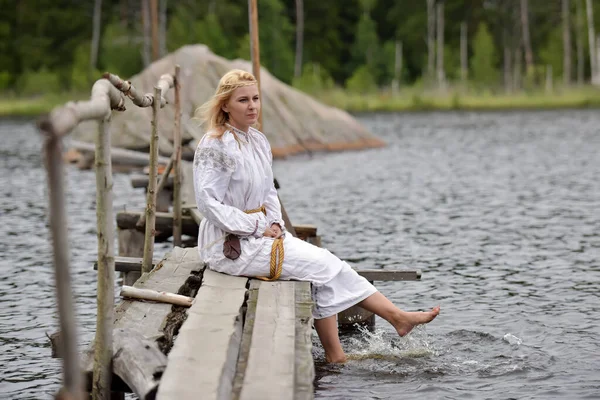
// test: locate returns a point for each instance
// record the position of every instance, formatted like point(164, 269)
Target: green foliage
point(361, 81)
point(342, 37)
point(314, 79)
point(120, 54)
point(5, 79)
point(38, 82)
point(552, 53)
point(483, 69)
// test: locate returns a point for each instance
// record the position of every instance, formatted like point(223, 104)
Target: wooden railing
point(107, 95)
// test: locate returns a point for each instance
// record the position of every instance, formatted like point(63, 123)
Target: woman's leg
point(327, 328)
point(401, 320)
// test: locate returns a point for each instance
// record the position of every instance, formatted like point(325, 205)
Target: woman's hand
point(269, 232)
point(277, 229)
point(274, 231)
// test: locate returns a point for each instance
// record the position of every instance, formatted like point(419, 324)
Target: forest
point(485, 47)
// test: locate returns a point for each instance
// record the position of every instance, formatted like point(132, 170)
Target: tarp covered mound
point(293, 121)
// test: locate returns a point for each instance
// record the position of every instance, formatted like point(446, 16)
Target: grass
point(17, 106)
point(409, 99)
point(412, 99)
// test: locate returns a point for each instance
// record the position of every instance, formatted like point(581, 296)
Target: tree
point(526, 36)
point(299, 38)
point(566, 42)
point(483, 62)
point(441, 73)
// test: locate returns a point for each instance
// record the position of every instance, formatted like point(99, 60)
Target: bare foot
point(337, 359)
point(406, 321)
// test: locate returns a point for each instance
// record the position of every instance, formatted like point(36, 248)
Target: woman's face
point(243, 107)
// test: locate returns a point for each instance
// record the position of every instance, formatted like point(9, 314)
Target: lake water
point(500, 211)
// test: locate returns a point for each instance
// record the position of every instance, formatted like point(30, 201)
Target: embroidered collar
point(238, 131)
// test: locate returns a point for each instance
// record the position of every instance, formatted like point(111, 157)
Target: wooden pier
point(233, 337)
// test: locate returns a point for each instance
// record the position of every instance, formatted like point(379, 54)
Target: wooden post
point(72, 376)
point(255, 46)
point(103, 349)
point(177, 162)
point(59, 123)
point(255, 53)
point(151, 195)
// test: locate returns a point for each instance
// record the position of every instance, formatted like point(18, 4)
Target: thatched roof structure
point(293, 121)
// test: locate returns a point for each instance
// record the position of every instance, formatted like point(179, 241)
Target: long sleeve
point(273, 206)
point(272, 203)
point(213, 169)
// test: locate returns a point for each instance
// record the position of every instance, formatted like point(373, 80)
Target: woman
point(233, 181)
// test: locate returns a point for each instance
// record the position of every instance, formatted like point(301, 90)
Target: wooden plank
point(138, 362)
point(270, 371)
point(246, 338)
point(141, 181)
point(390, 275)
point(203, 359)
point(164, 222)
point(305, 231)
point(128, 264)
point(147, 319)
point(196, 215)
point(304, 374)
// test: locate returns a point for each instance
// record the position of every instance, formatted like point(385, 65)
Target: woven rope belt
point(276, 252)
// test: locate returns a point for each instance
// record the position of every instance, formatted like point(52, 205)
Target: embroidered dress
point(233, 174)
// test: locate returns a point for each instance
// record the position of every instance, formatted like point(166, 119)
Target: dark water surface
point(501, 212)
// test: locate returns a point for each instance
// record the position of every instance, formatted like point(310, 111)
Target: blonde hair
point(211, 112)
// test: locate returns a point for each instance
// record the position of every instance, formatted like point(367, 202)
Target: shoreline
point(410, 100)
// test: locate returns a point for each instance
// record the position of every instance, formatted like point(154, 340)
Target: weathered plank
point(203, 359)
point(138, 362)
point(128, 264)
point(246, 338)
point(390, 275)
point(304, 375)
point(146, 320)
point(270, 370)
point(163, 223)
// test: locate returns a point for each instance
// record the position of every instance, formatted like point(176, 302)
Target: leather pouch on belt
point(232, 248)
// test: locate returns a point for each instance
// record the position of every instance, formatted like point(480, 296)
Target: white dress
point(231, 176)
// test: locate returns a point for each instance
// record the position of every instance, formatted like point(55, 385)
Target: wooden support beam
point(163, 222)
point(129, 264)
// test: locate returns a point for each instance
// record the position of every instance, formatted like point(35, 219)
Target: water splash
point(378, 344)
point(512, 339)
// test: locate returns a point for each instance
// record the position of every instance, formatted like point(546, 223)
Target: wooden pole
point(151, 195)
point(161, 185)
point(163, 297)
point(72, 375)
point(103, 346)
point(177, 162)
point(255, 46)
